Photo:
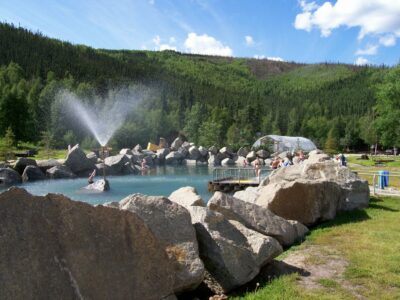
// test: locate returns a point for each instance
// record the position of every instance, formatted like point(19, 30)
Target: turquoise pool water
point(159, 181)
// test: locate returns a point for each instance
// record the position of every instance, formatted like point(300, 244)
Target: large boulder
point(213, 150)
point(47, 164)
point(265, 248)
point(171, 224)
point(32, 173)
point(243, 151)
point(186, 196)
point(173, 158)
point(250, 194)
point(162, 153)
point(313, 191)
point(55, 248)
point(92, 156)
point(251, 156)
point(225, 251)
point(22, 162)
point(203, 152)
point(241, 161)
point(78, 162)
point(226, 151)
point(58, 172)
point(194, 153)
point(126, 151)
point(116, 164)
point(263, 154)
point(9, 176)
point(100, 185)
point(254, 217)
point(227, 162)
point(213, 161)
point(177, 143)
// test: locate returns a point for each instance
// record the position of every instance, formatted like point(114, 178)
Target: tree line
point(210, 100)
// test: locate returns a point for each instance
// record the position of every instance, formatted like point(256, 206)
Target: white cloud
point(151, 2)
point(361, 61)
point(156, 40)
point(388, 40)
point(308, 6)
point(249, 40)
point(373, 17)
point(172, 40)
point(369, 50)
point(205, 44)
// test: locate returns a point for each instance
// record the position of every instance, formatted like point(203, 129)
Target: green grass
point(368, 239)
point(369, 166)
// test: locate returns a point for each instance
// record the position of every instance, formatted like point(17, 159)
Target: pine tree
point(8, 146)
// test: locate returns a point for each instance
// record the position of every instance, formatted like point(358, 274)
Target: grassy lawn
point(369, 242)
point(368, 166)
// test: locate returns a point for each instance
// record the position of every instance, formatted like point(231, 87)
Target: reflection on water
point(158, 181)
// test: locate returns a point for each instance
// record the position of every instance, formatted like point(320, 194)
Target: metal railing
point(239, 174)
point(375, 176)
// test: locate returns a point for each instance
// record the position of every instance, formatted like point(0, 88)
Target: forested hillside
point(211, 100)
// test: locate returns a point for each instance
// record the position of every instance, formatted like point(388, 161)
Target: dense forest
point(210, 100)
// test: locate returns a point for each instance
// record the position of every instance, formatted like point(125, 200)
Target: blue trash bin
point(386, 177)
point(381, 179)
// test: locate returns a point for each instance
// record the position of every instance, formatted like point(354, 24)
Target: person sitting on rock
point(144, 164)
point(275, 163)
point(91, 176)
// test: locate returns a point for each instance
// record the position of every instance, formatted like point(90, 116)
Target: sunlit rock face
point(55, 248)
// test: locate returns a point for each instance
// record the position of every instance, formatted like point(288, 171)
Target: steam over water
point(103, 116)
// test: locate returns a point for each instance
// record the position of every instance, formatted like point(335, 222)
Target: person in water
point(91, 176)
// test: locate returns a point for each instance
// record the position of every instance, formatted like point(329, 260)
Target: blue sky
point(349, 31)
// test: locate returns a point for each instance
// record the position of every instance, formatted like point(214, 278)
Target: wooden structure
point(235, 179)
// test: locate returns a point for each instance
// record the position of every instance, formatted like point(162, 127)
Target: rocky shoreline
point(128, 161)
point(148, 247)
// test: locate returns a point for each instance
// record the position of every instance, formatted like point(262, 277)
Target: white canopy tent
point(280, 143)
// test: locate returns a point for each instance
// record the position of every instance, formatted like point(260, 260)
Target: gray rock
point(203, 152)
point(137, 148)
point(254, 217)
point(251, 156)
point(240, 161)
point(101, 185)
point(263, 154)
point(301, 230)
point(184, 152)
point(194, 153)
point(227, 151)
point(187, 145)
point(22, 162)
point(116, 164)
point(250, 194)
point(267, 162)
point(313, 191)
point(44, 165)
point(213, 161)
point(92, 157)
point(213, 150)
point(32, 173)
point(176, 144)
point(227, 162)
point(162, 153)
point(72, 250)
point(149, 160)
point(9, 176)
point(265, 248)
point(186, 196)
point(126, 151)
point(243, 151)
point(171, 224)
point(173, 158)
point(189, 162)
point(77, 161)
point(227, 255)
point(58, 172)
